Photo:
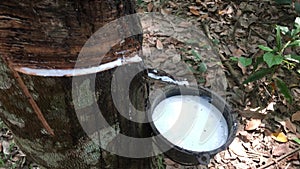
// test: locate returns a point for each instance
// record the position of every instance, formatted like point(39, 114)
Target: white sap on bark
point(190, 122)
point(77, 71)
point(167, 79)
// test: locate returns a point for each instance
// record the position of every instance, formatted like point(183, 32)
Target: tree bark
point(39, 110)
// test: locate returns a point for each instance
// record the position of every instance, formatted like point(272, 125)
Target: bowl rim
point(203, 157)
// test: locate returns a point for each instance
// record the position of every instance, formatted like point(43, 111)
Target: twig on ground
point(267, 91)
point(279, 159)
point(259, 35)
point(287, 166)
point(257, 153)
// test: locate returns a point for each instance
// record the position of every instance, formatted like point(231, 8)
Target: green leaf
point(293, 58)
point(258, 75)
point(139, 2)
point(278, 38)
point(234, 58)
point(297, 20)
point(215, 41)
point(201, 80)
point(284, 30)
point(294, 32)
point(295, 43)
point(283, 88)
point(265, 48)
point(202, 67)
point(196, 54)
point(296, 57)
point(272, 59)
point(245, 61)
point(2, 163)
point(297, 140)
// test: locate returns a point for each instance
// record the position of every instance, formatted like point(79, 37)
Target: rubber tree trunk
point(40, 110)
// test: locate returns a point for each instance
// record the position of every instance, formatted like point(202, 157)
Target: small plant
point(140, 2)
point(2, 163)
point(243, 60)
point(276, 58)
point(160, 162)
point(201, 67)
point(197, 66)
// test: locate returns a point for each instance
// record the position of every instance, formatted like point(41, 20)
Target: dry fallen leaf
point(280, 149)
point(172, 4)
point(227, 11)
point(165, 11)
point(15, 158)
point(280, 137)
point(237, 52)
point(270, 106)
point(296, 93)
point(287, 125)
point(245, 136)
point(194, 10)
point(292, 136)
point(159, 45)
point(294, 157)
point(243, 68)
point(170, 167)
point(150, 7)
point(5, 146)
point(169, 162)
point(198, 1)
point(296, 116)
point(228, 155)
point(252, 114)
point(237, 148)
point(253, 124)
point(290, 126)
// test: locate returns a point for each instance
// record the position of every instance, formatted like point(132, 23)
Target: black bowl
point(176, 153)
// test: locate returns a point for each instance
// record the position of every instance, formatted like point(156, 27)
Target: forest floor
point(268, 134)
point(268, 125)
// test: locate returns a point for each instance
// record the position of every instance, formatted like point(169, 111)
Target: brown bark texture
point(39, 110)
